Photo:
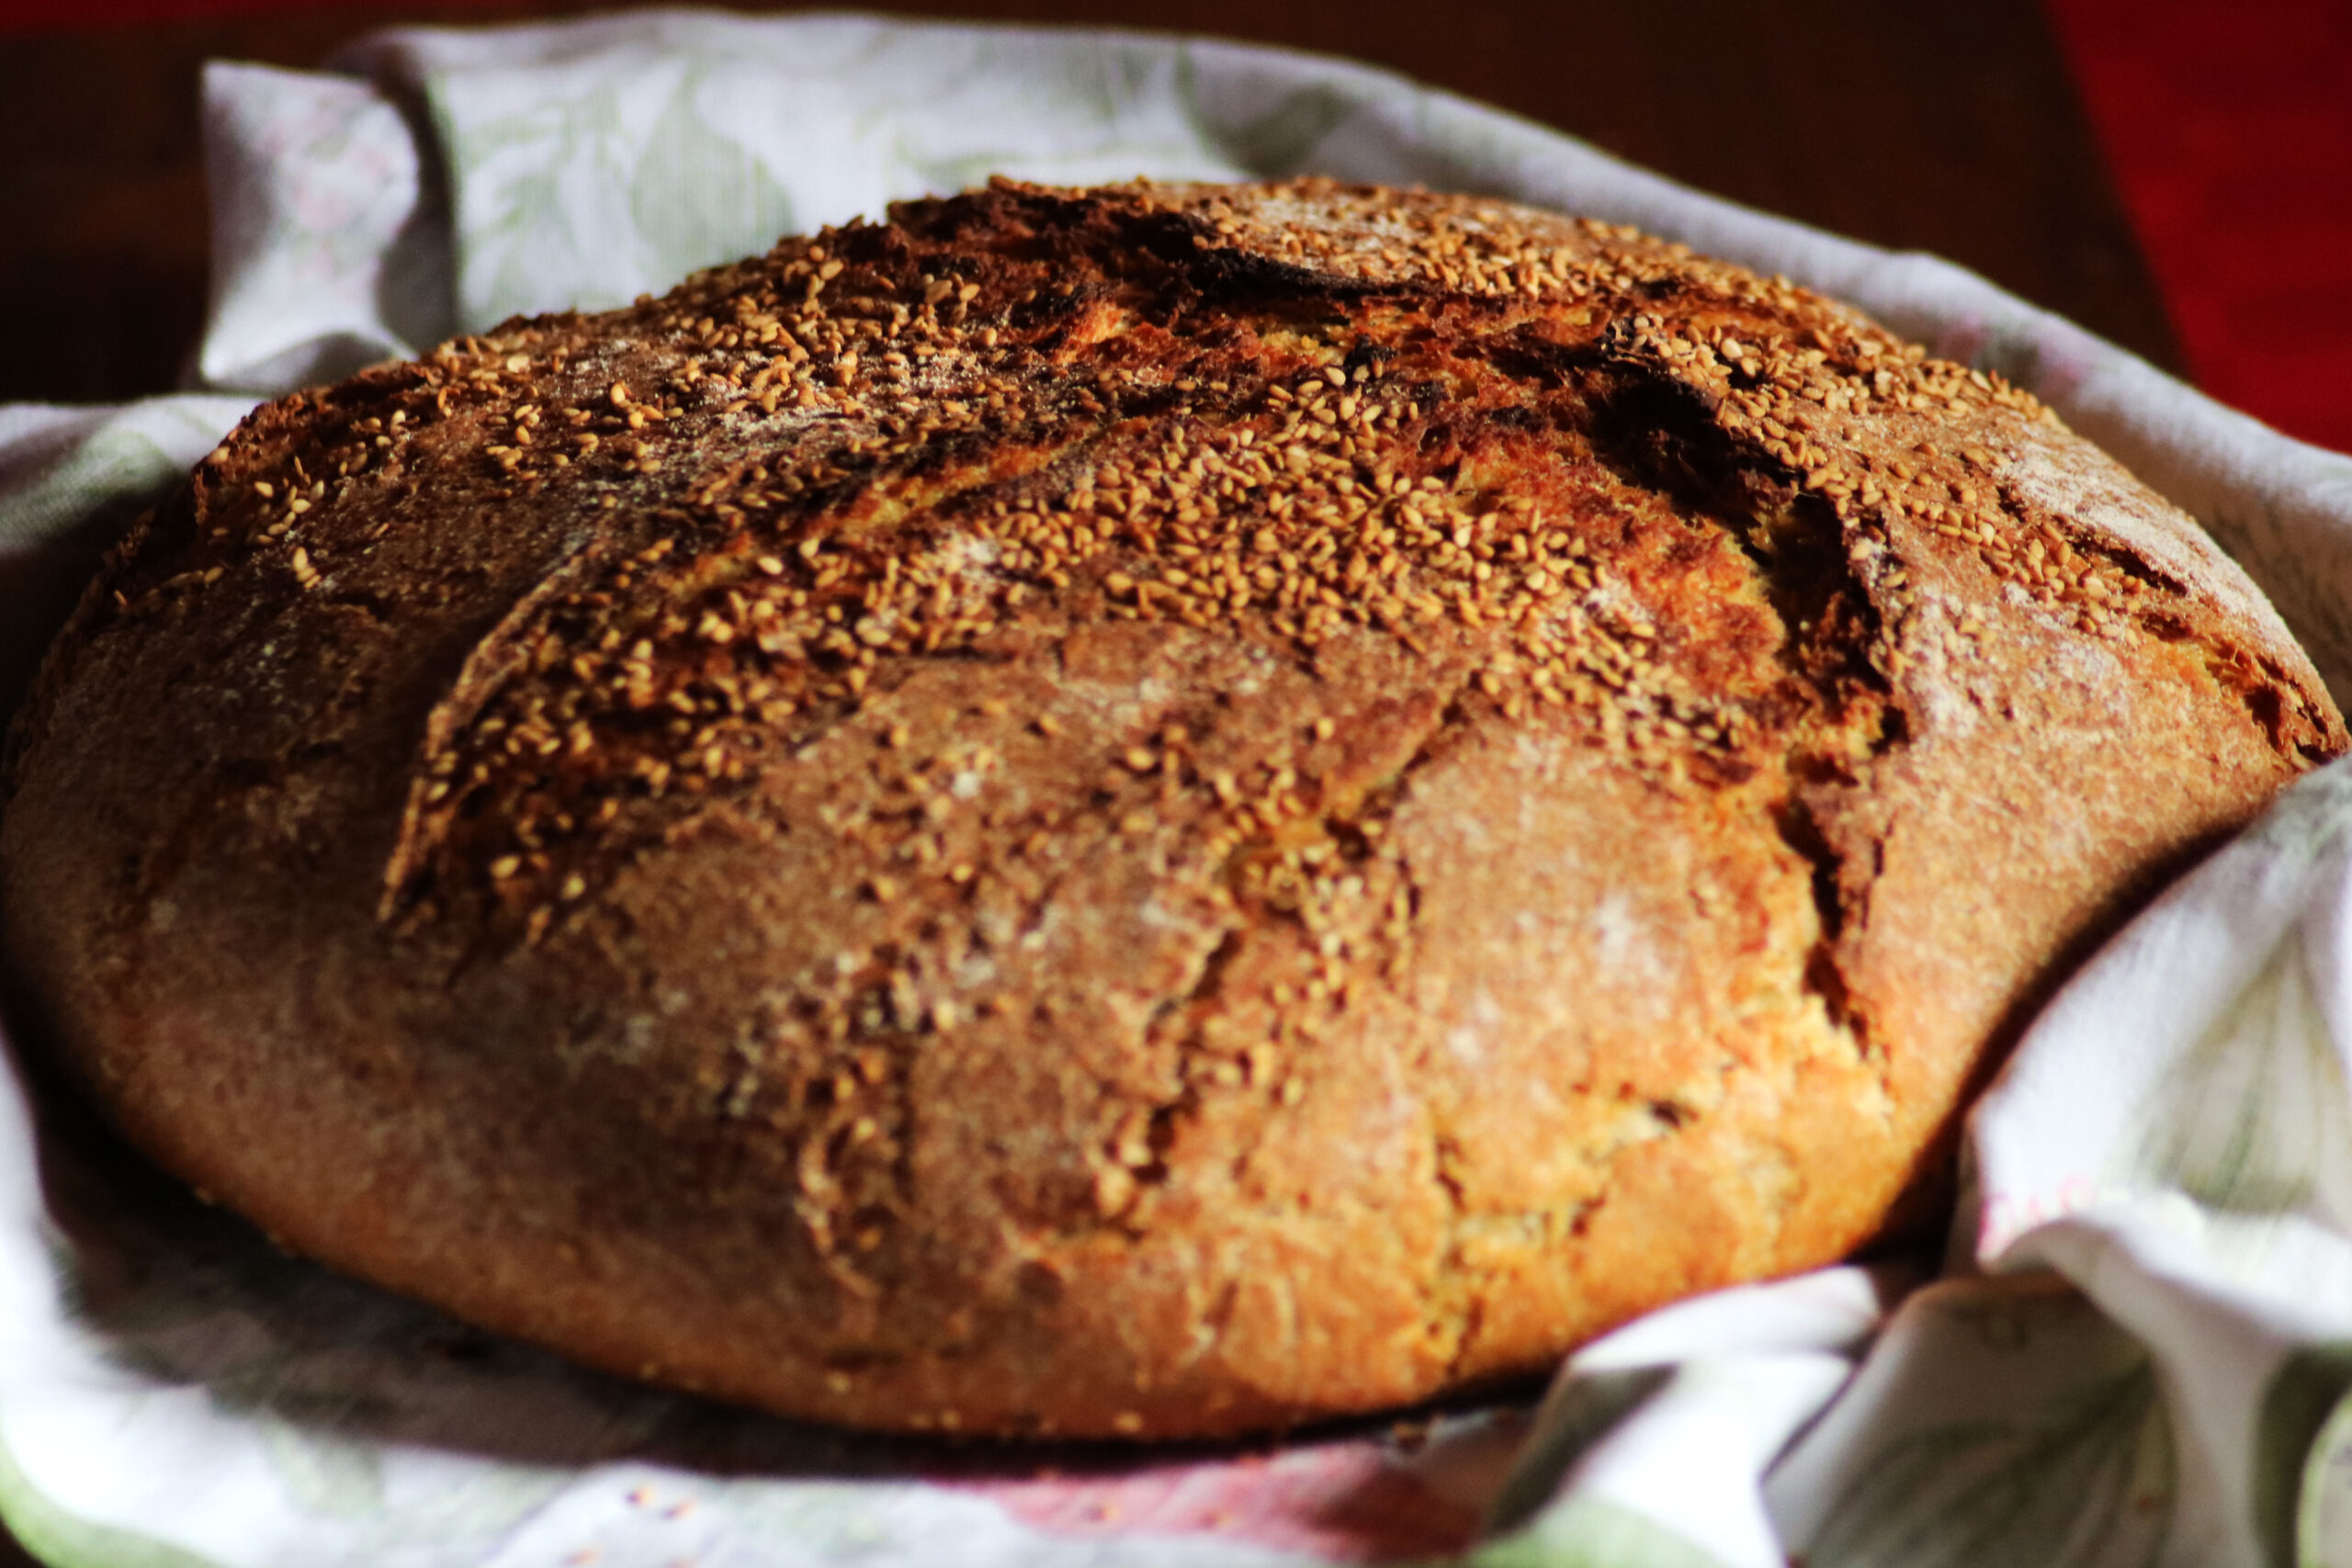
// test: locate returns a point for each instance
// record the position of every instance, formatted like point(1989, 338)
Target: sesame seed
point(807, 571)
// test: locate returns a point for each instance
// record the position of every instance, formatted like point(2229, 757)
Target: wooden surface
point(1945, 127)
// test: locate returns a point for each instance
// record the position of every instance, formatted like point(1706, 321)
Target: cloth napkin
point(2137, 1351)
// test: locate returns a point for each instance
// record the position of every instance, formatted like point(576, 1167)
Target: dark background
point(2175, 176)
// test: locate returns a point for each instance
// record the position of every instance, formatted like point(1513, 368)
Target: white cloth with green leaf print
point(2140, 1349)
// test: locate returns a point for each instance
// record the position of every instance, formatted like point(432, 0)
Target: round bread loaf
point(1144, 811)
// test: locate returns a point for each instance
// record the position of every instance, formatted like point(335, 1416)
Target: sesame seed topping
point(827, 480)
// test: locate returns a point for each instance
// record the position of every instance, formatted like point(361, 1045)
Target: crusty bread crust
point(1147, 811)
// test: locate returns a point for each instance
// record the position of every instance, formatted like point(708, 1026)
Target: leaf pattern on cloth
point(545, 185)
point(633, 177)
point(584, 177)
point(1996, 1421)
point(2254, 1120)
point(86, 460)
point(2323, 1504)
point(1280, 139)
point(2058, 1487)
point(2290, 1462)
point(1574, 1418)
point(695, 188)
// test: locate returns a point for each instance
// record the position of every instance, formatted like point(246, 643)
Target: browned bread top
point(1138, 811)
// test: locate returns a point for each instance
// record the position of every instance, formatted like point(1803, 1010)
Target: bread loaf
point(1145, 811)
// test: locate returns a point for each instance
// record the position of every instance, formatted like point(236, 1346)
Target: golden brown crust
point(1146, 811)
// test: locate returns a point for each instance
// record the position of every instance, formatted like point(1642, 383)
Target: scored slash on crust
point(1215, 659)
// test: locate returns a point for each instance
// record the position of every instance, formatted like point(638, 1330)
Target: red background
point(2228, 129)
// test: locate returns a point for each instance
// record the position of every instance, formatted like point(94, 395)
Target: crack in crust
point(982, 557)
